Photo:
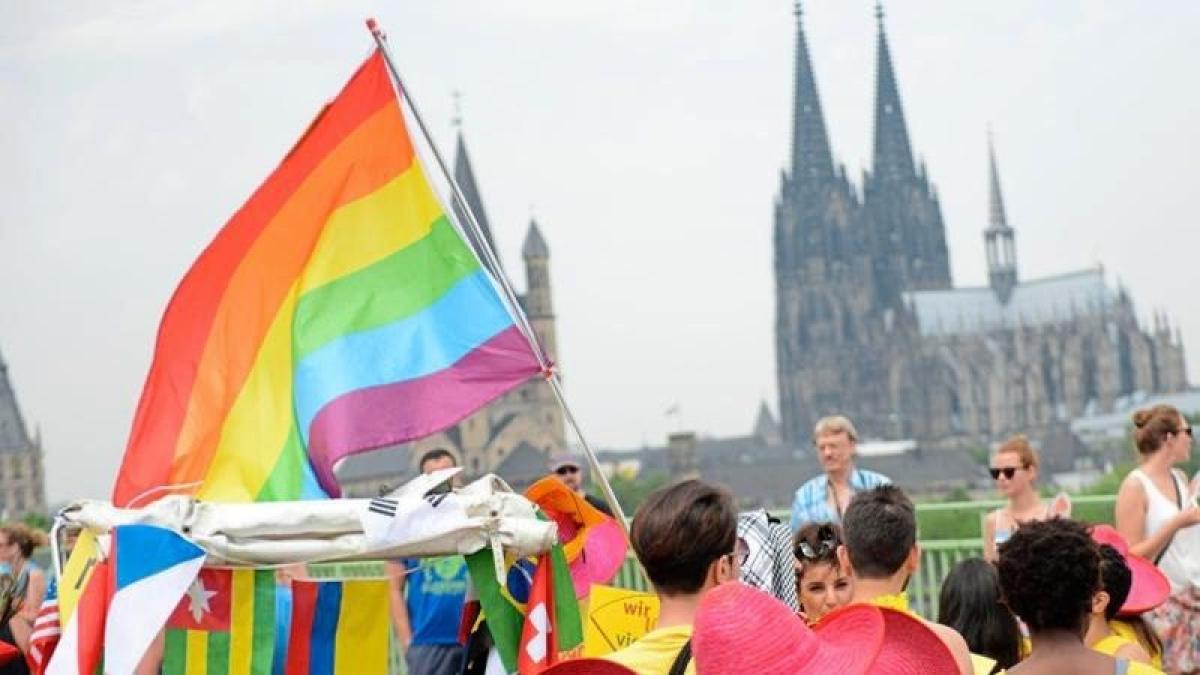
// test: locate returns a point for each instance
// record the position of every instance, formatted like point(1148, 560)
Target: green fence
point(959, 530)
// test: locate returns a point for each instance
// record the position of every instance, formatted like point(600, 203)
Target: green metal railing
point(938, 556)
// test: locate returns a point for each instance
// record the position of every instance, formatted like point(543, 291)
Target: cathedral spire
point(464, 175)
point(999, 237)
point(996, 217)
point(13, 435)
point(811, 157)
point(893, 159)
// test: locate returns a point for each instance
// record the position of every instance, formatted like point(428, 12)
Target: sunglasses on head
point(566, 470)
point(824, 547)
point(826, 543)
point(1008, 472)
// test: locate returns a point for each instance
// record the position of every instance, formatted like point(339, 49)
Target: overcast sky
point(647, 137)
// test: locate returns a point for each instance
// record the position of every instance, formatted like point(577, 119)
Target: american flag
point(46, 631)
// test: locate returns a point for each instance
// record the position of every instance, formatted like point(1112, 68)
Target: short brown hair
point(1151, 426)
point(1019, 445)
point(680, 530)
point(879, 530)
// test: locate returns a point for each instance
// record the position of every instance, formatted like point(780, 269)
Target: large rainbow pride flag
point(338, 311)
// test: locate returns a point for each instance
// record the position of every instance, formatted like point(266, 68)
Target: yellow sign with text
point(76, 574)
point(616, 618)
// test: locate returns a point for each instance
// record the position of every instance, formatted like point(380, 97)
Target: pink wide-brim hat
point(739, 630)
point(911, 648)
point(1150, 587)
point(588, 667)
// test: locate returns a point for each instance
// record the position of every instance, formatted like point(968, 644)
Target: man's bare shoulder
point(955, 643)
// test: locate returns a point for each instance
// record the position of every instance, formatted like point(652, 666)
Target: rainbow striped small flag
point(339, 628)
point(338, 311)
point(224, 625)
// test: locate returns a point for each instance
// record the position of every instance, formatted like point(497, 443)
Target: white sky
point(646, 136)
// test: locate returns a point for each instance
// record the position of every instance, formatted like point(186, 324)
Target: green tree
point(631, 491)
point(38, 521)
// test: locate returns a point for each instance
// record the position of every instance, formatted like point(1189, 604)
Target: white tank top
point(1181, 561)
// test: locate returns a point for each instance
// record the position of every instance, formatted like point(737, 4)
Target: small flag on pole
point(45, 633)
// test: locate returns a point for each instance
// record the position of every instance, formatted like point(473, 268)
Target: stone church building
point(869, 322)
point(22, 479)
point(515, 435)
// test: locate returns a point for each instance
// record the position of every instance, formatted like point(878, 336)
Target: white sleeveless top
point(1181, 562)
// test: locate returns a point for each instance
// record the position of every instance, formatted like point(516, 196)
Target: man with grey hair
point(824, 498)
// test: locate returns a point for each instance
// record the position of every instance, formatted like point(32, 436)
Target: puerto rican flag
point(127, 600)
point(45, 633)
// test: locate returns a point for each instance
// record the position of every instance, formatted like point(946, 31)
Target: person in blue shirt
point(427, 599)
point(823, 499)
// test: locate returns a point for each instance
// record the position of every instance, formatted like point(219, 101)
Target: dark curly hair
point(1049, 571)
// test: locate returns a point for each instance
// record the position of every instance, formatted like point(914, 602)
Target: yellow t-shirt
point(1126, 631)
point(1112, 643)
point(982, 665)
point(655, 651)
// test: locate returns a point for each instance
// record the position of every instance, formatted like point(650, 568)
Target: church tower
point(999, 237)
point(823, 271)
point(22, 484)
point(539, 305)
point(907, 234)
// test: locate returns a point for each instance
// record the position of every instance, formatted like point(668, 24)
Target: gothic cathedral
point(869, 323)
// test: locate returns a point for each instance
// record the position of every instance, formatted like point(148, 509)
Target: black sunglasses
point(1188, 431)
point(1008, 472)
point(566, 470)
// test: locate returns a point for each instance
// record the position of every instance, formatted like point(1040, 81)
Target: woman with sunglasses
point(1157, 514)
point(1014, 467)
point(821, 584)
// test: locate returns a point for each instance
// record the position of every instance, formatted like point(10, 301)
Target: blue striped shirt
point(812, 499)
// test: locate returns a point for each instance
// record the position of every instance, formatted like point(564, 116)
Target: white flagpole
point(492, 264)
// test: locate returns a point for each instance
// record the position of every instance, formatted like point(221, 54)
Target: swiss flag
point(538, 649)
point(206, 605)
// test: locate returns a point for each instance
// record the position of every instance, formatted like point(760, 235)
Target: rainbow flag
point(337, 311)
point(339, 628)
point(224, 625)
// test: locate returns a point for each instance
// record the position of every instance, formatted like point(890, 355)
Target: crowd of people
point(1049, 594)
point(745, 594)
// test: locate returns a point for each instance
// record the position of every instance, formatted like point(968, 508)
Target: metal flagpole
point(493, 265)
